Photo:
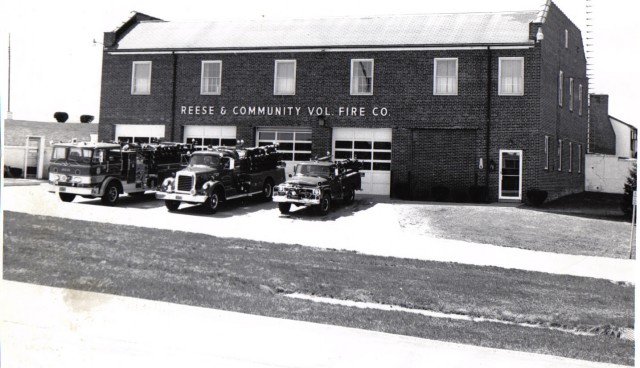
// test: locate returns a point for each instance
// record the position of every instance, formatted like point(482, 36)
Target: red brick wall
point(602, 135)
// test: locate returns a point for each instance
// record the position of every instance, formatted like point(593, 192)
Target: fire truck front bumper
point(80, 190)
point(300, 201)
point(182, 197)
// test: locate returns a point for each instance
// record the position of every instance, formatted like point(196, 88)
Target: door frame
point(500, 196)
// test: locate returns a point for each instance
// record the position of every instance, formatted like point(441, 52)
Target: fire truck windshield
point(72, 154)
point(204, 160)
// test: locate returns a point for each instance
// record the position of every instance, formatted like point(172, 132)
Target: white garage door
point(293, 144)
point(203, 136)
point(138, 133)
point(373, 148)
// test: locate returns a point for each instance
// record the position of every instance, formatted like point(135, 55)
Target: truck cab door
point(336, 182)
point(227, 176)
point(114, 162)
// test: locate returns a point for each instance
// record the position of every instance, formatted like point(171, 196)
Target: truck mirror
point(336, 172)
point(232, 163)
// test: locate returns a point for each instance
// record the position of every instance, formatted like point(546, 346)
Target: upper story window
point(511, 76)
point(141, 78)
point(445, 76)
point(560, 87)
point(579, 158)
point(580, 99)
point(570, 156)
point(211, 77)
point(566, 38)
point(285, 77)
point(634, 143)
point(570, 94)
point(362, 76)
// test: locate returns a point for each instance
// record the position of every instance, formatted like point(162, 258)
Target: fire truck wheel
point(349, 195)
point(267, 190)
point(172, 205)
point(213, 202)
point(67, 197)
point(325, 204)
point(111, 195)
point(284, 208)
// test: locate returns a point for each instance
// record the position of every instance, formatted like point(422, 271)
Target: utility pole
point(9, 115)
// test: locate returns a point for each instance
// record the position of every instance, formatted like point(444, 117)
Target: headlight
point(54, 178)
point(316, 192)
point(76, 179)
point(63, 178)
point(206, 185)
point(167, 185)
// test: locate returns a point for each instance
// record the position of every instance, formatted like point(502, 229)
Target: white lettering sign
point(341, 111)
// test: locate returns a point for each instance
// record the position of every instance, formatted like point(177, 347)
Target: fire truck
point(107, 170)
point(220, 174)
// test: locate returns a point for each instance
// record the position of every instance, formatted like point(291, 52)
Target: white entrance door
point(138, 133)
point(293, 144)
point(373, 148)
point(510, 183)
point(203, 136)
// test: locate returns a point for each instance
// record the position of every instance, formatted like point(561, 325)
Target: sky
point(55, 66)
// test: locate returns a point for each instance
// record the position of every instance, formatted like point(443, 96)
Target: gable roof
point(509, 28)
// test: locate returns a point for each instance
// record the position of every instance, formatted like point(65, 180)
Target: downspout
point(173, 98)
point(488, 121)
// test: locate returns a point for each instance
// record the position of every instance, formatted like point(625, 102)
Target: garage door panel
point(373, 148)
point(139, 133)
point(294, 144)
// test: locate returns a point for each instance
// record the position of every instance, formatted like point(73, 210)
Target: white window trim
point(580, 100)
point(500, 92)
point(435, 77)
point(560, 88)
point(352, 90)
point(571, 94)
point(275, 77)
point(202, 91)
point(570, 156)
point(559, 154)
point(133, 78)
point(546, 152)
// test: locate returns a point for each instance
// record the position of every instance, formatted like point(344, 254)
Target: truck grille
point(185, 183)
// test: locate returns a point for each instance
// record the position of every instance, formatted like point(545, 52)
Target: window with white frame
point(362, 76)
point(546, 152)
point(560, 87)
point(211, 77)
point(566, 38)
point(559, 154)
point(570, 94)
point(285, 77)
point(580, 99)
point(445, 76)
point(141, 78)
point(570, 156)
point(511, 76)
point(579, 158)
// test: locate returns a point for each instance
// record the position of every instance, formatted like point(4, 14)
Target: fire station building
point(426, 102)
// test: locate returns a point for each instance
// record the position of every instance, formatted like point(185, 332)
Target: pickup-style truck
point(318, 183)
point(224, 173)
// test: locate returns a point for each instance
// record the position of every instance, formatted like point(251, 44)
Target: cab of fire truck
point(80, 168)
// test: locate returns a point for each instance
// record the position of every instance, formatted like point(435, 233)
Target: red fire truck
point(107, 170)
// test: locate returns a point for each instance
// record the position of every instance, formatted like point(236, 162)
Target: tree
point(61, 117)
point(629, 187)
point(86, 118)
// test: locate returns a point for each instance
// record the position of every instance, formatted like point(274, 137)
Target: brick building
point(425, 101)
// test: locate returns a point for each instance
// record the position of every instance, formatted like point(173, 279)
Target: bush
point(479, 194)
point(61, 117)
point(440, 193)
point(629, 187)
point(86, 118)
point(536, 197)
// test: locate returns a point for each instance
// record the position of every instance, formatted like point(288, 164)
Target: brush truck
point(318, 183)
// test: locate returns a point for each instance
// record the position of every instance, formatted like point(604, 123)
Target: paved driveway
point(368, 226)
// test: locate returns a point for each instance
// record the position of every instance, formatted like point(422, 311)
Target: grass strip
point(246, 276)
